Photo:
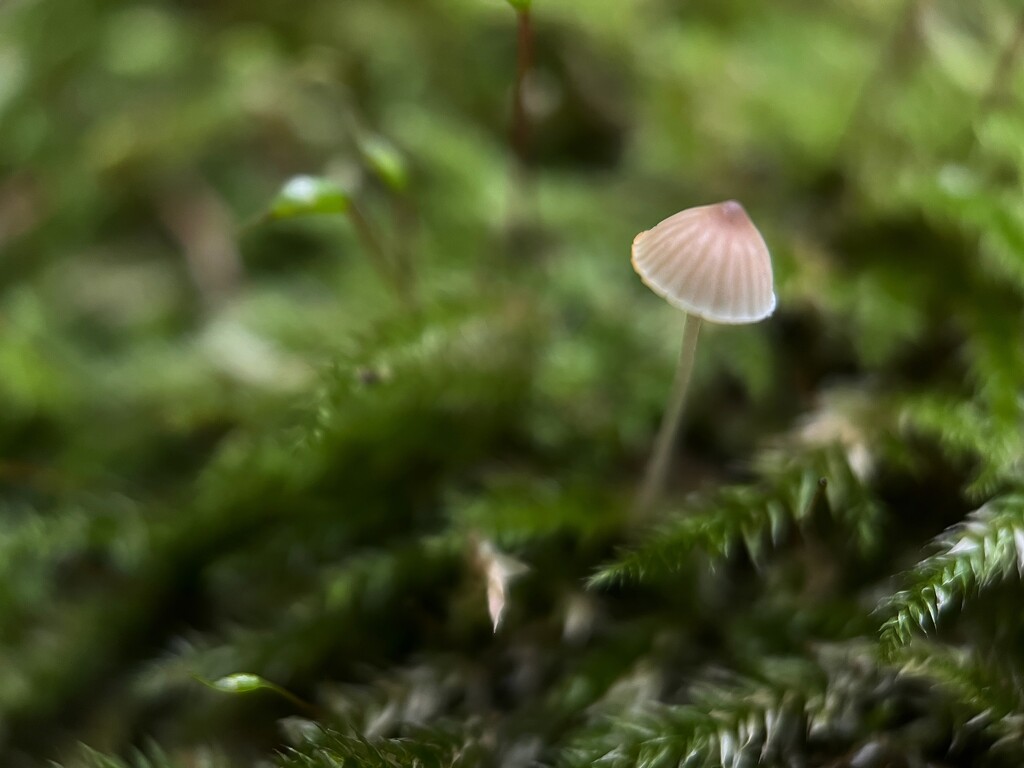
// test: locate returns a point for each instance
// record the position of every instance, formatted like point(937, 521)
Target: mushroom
point(712, 263)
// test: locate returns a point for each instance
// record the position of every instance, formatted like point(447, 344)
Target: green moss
point(293, 453)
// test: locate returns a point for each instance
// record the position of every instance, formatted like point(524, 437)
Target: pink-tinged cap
point(709, 261)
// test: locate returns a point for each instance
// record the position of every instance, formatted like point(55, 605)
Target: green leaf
point(309, 196)
point(246, 682)
point(242, 682)
point(386, 162)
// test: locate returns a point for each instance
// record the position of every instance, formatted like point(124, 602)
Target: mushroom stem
point(657, 468)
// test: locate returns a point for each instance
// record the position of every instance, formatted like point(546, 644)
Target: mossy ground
point(251, 445)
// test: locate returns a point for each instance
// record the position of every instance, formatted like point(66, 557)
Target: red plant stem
point(524, 60)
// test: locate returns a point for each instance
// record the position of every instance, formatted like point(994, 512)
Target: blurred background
point(317, 323)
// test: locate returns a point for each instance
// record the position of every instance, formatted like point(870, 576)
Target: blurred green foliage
point(288, 333)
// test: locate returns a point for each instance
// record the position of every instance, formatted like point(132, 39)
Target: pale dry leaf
point(499, 570)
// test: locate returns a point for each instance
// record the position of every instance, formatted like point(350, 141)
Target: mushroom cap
point(709, 261)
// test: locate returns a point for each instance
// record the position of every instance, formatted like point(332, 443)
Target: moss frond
point(987, 548)
point(424, 748)
point(752, 518)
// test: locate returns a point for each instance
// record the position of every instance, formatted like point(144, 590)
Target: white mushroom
point(712, 263)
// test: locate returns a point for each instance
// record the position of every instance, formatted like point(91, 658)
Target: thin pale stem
point(657, 468)
point(297, 701)
point(392, 276)
point(1004, 69)
point(893, 60)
